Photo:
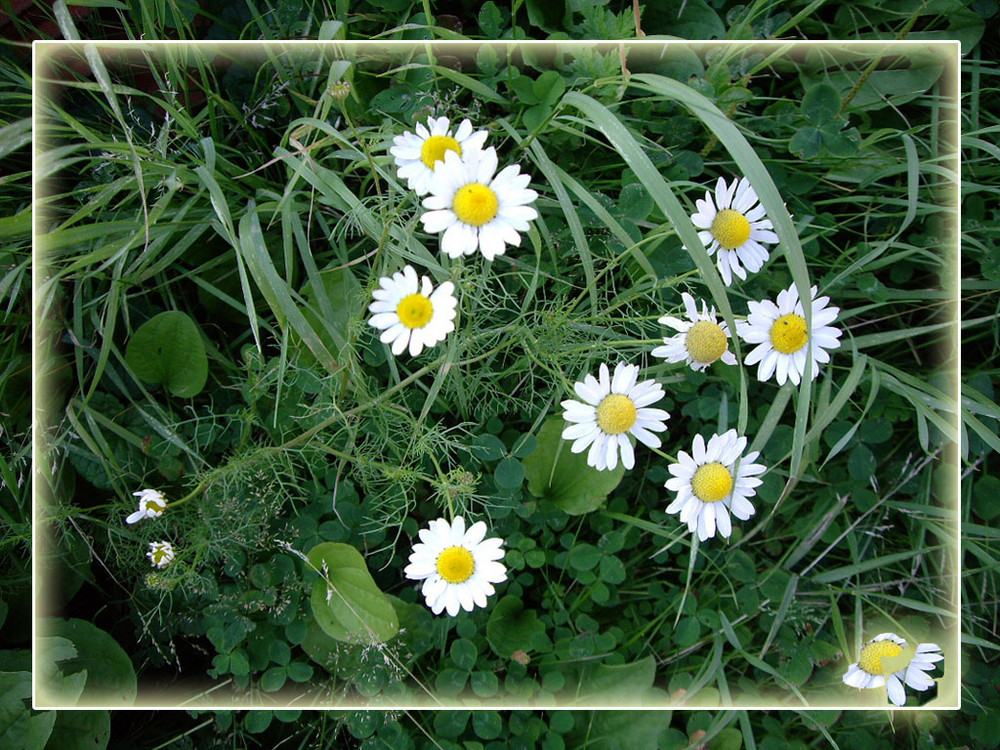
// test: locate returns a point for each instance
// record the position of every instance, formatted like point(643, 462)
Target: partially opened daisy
point(716, 480)
point(474, 209)
point(781, 335)
point(701, 339)
point(152, 503)
point(613, 407)
point(869, 672)
point(458, 566)
point(160, 554)
point(419, 155)
point(735, 227)
point(411, 312)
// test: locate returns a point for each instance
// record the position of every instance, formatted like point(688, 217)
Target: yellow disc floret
point(475, 204)
point(730, 228)
point(456, 565)
point(789, 334)
point(616, 414)
point(872, 655)
point(434, 149)
point(415, 311)
point(712, 482)
point(705, 342)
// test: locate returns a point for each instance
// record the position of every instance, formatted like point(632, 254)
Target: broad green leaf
point(806, 142)
point(55, 687)
point(509, 473)
point(610, 730)
point(549, 87)
point(19, 727)
point(986, 498)
point(729, 738)
point(346, 602)
point(821, 104)
point(511, 627)
point(564, 477)
point(882, 88)
point(490, 20)
point(80, 730)
point(617, 684)
point(168, 349)
point(111, 677)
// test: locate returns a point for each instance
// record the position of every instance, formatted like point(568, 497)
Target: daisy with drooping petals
point(869, 672)
point(710, 485)
point(160, 554)
point(152, 503)
point(410, 312)
point(418, 156)
point(613, 408)
point(735, 227)
point(780, 332)
point(474, 209)
point(700, 341)
point(458, 566)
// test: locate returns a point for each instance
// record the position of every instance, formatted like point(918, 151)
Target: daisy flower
point(868, 672)
point(474, 209)
point(418, 156)
point(710, 486)
point(411, 312)
point(152, 503)
point(780, 332)
point(700, 341)
point(160, 554)
point(613, 408)
point(458, 566)
point(735, 227)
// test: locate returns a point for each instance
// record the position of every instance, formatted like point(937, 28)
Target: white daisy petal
point(895, 689)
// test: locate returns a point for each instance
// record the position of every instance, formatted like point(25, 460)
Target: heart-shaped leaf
point(167, 349)
point(564, 477)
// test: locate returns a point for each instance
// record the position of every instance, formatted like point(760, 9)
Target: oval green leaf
point(821, 104)
point(564, 477)
point(346, 602)
point(168, 350)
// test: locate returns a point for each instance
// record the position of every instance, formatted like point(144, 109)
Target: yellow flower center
point(435, 147)
point(415, 311)
point(872, 655)
point(616, 414)
point(475, 204)
point(730, 228)
point(705, 341)
point(456, 565)
point(157, 506)
point(712, 482)
point(789, 334)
